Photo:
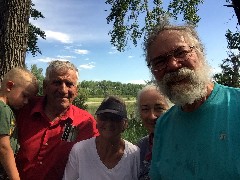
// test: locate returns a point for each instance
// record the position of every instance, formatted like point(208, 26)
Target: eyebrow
point(159, 105)
point(167, 53)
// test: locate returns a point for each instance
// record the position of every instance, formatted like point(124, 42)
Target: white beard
point(193, 87)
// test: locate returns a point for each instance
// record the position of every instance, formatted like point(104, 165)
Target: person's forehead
point(64, 74)
point(28, 87)
point(151, 97)
point(168, 40)
point(171, 38)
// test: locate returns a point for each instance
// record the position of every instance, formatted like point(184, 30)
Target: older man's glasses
point(180, 54)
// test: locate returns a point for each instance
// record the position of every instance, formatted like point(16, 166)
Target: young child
point(17, 87)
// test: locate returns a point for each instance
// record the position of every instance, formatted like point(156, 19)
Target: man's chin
point(65, 104)
point(62, 100)
point(62, 104)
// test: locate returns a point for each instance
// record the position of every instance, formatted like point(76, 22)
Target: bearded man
point(199, 137)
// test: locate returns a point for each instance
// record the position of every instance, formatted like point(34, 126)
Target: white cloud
point(130, 57)
point(66, 57)
point(87, 66)
point(58, 36)
point(73, 18)
point(81, 51)
point(112, 52)
point(47, 59)
point(68, 47)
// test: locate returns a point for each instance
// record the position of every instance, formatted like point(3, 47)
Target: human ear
point(9, 85)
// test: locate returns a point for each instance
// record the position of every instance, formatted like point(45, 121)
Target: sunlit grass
point(135, 128)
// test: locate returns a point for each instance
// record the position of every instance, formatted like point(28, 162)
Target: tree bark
point(14, 20)
point(236, 6)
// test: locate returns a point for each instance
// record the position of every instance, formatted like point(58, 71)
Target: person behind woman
point(151, 105)
point(107, 156)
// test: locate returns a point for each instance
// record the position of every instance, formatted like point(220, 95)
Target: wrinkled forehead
point(171, 38)
point(152, 96)
point(64, 74)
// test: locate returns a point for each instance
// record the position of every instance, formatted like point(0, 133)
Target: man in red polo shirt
point(50, 125)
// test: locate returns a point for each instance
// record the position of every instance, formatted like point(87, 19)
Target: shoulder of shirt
point(78, 111)
point(84, 143)
point(130, 146)
point(4, 105)
point(35, 100)
point(143, 140)
point(227, 87)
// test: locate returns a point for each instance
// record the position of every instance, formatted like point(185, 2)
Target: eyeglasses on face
point(180, 54)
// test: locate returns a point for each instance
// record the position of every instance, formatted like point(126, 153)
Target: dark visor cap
point(113, 107)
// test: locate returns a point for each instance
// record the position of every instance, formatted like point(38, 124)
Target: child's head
point(18, 86)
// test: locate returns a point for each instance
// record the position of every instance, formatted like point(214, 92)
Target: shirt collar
point(39, 108)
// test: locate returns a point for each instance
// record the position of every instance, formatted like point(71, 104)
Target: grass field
point(93, 104)
point(135, 128)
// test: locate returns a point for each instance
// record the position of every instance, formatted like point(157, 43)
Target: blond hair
point(19, 76)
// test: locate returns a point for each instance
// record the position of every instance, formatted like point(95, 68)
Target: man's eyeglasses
point(180, 54)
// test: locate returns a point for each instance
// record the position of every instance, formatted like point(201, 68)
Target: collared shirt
point(44, 150)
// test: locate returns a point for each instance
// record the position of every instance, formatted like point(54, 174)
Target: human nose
point(63, 87)
point(152, 114)
point(172, 63)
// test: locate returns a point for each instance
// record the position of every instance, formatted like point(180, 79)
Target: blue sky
point(77, 31)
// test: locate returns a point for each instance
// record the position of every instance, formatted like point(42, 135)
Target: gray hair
point(57, 65)
point(164, 24)
point(150, 87)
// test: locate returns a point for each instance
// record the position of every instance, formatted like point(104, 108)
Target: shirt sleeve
point(71, 169)
point(138, 163)
point(6, 121)
point(154, 169)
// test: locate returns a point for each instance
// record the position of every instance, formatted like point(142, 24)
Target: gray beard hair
point(193, 88)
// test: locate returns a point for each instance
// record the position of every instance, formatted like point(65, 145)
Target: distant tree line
point(105, 88)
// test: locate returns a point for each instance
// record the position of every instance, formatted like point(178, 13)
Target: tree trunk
point(14, 20)
point(236, 6)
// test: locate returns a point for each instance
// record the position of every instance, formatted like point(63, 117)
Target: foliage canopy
point(34, 32)
point(126, 16)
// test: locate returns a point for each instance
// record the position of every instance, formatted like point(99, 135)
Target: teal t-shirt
point(199, 145)
point(7, 124)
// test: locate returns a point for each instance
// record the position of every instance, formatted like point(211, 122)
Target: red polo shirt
point(43, 153)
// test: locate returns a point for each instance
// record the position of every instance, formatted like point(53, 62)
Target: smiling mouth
point(62, 97)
